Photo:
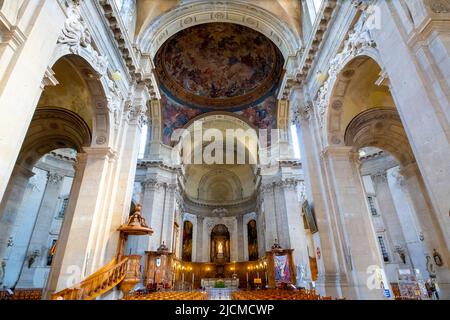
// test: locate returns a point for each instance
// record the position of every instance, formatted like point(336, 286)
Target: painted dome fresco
point(219, 66)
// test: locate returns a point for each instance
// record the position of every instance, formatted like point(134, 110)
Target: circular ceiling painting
point(219, 66)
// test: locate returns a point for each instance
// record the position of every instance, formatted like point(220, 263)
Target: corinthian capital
point(153, 184)
point(137, 108)
point(289, 183)
point(54, 177)
point(267, 187)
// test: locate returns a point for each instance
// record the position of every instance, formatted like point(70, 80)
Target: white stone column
point(332, 278)
point(34, 40)
point(408, 221)
point(10, 204)
point(350, 207)
point(200, 240)
point(428, 129)
point(169, 215)
point(41, 231)
point(81, 227)
point(152, 211)
point(270, 231)
point(133, 121)
point(261, 233)
point(428, 223)
point(281, 215)
point(240, 238)
point(389, 214)
point(180, 241)
point(294, 227)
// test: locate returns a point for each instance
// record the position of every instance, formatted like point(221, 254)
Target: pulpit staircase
point(97, 284)
point(123, 271)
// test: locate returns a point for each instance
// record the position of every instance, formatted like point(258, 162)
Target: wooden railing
point(22, 294)
point(100, 282)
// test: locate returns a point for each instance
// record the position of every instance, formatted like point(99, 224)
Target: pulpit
point(135, 226)
point(159, 270)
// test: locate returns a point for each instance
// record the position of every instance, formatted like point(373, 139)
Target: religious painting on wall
point(282, 271)
point(187, 241)
point(176, 238)
point(252, 241)
point(310, 218)
point(51, 252)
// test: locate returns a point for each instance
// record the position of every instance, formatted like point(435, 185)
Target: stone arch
point(359, 45)
point(230, 223)
point(380, 128)
point(220, 236)
point(233, 122)
point(104, 98)
point(53, 128)
point(246, 14)
point(334, 106)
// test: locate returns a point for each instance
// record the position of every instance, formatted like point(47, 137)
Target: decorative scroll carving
point(77, 37)
point(75, 32)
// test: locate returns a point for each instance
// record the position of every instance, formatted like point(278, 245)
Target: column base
point(335, 285)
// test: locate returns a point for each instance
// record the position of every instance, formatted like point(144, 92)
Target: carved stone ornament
point(54, 177)
point(76, 36)
point(136, 110)
point(440, 6)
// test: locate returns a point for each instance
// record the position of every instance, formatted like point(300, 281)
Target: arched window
point(144, 141)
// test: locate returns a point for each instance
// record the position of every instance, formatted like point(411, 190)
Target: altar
point(220, 289)
point(219, 283)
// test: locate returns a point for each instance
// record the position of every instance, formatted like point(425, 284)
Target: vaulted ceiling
point(287, 10)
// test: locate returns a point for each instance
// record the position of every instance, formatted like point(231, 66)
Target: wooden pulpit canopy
point(136, 225)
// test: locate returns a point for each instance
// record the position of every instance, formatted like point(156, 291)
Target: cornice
point(140, 66)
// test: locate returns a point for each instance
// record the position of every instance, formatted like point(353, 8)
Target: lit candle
point(247, 276)
point(193, 279)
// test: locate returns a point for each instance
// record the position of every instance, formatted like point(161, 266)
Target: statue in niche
point(301, 275)
point(220, 248)
point(402, 253)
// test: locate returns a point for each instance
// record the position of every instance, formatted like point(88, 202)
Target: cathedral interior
point(235, 149)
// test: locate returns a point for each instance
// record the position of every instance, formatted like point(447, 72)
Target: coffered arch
point(380, 128)
point(53, 128)
point(189, 14)
point(220, 184)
